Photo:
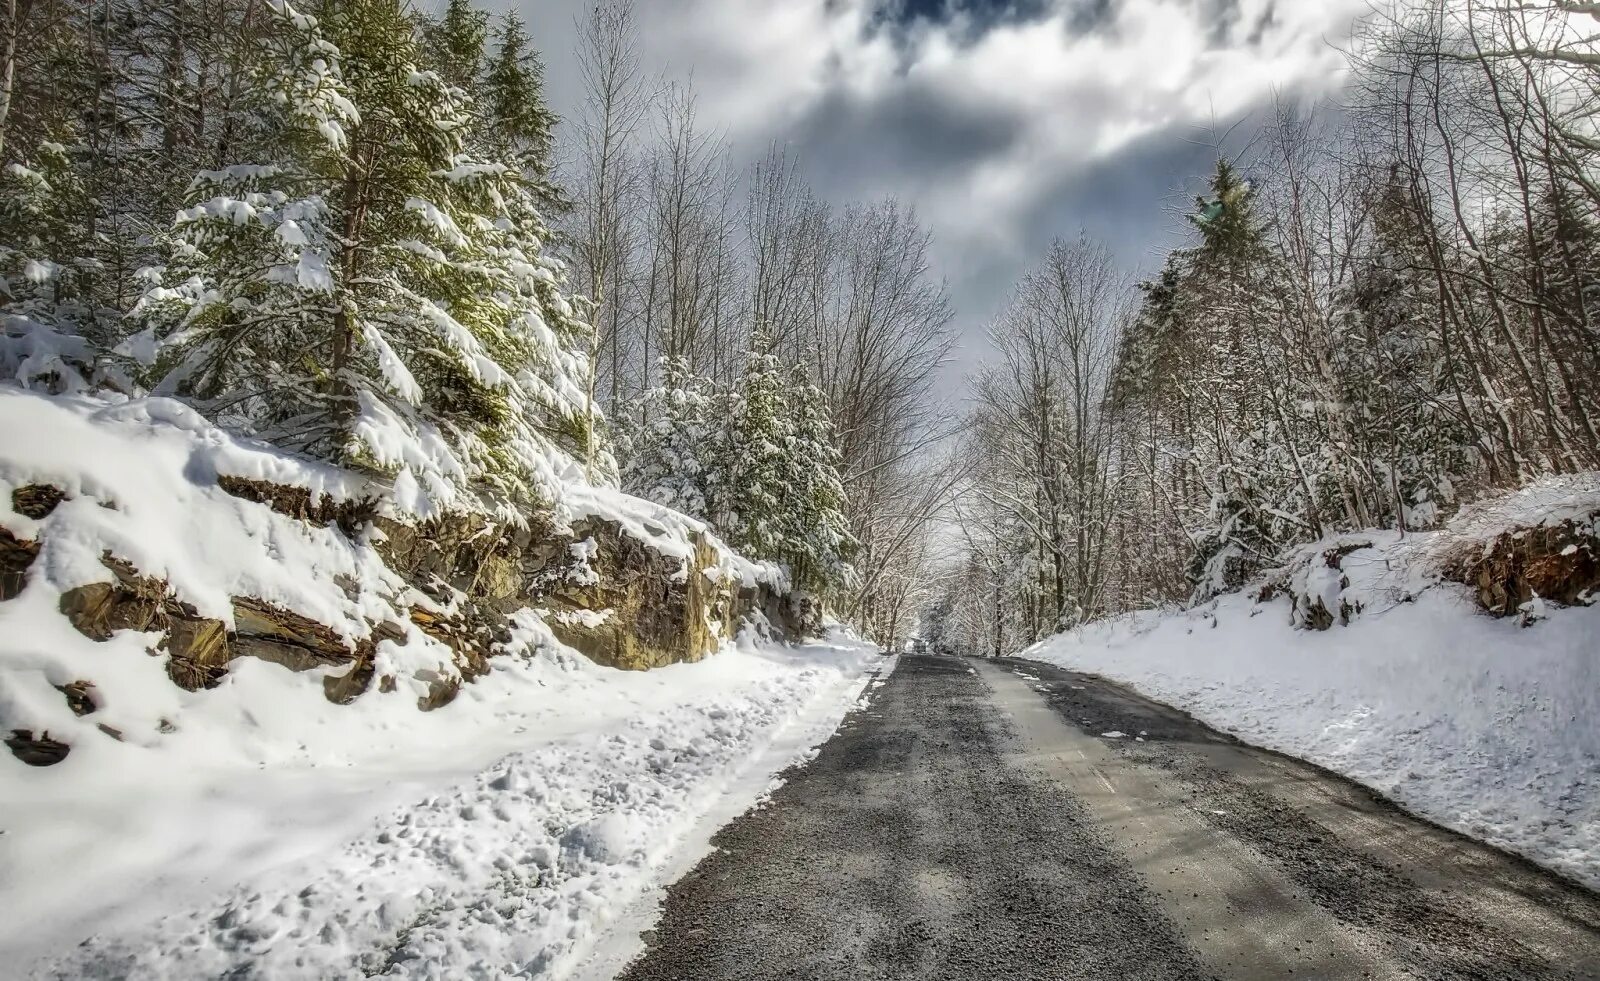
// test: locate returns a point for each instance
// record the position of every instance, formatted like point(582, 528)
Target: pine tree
point(44, 245)
point(517, 122)
point(762, 430)
point(1392, 369)
point(1239, 394)
point(374, 291)
point(48, 320)
point(679, 455)
point(786, 499)
point(822, 546)
point(456, 44)
point(70, 150)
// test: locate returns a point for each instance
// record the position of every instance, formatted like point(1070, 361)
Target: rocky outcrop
point(36, 501)
point(38, 750)
point(16, 557)
point(620, 600)
point(1557, 563)
point(1316, 585)
point(610, 595)
point(298, 502)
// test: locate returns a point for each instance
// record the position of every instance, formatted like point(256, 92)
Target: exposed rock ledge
point(608, 594)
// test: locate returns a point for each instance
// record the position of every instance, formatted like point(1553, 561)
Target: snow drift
point(1483, 724)
point(357, 782)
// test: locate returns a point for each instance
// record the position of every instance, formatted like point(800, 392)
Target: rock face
point(1556, 562)
point(16, 555)
point(611, 596)
point(607, 593)
point(38, 750)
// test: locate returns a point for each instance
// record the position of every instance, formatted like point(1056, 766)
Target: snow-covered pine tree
point(785, 496)
point(1395, 378)
point(822, 544)
point(47, 315)
point(678, 444)
point(370, 288)
point(1239, 394)
point(511, 122)
point(44, 246)
point(759, 524)
point(64, 142)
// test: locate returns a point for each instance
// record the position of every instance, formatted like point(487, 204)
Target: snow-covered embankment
point(501, 835)
point(1485, 725)
point(335, 785)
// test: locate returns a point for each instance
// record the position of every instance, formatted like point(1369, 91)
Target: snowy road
point(1012, 820)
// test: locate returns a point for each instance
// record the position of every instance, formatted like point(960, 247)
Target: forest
point(356, 230)
point(1385, 307)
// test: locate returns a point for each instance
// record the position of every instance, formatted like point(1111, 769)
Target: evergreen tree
point(372, 290)
point(786, 500)
point(679, 454)
point(456, 44)
point(1392, 370)
point(1243, 396)
point(46, 312)
point(762, 430)
point(45, 252)
point(822, 546)
point(517, 122)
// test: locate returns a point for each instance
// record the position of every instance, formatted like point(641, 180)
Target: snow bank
point(256, 828)
point(141, 481)
point(152, 468)
point(501, 835)
point(1480, 724)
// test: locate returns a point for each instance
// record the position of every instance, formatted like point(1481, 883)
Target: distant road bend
point(1004, 819)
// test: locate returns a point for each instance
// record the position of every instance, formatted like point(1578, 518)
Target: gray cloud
point(1133, 202)
point(969, 18)
point(1004, 123)
point(914, 136)
point(1085, 16)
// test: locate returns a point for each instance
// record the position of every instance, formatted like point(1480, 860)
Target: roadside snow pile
point(325, 789)
point(1482, 724)
point(498, 836)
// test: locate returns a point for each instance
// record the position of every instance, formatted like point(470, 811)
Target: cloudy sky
point(1004, 122)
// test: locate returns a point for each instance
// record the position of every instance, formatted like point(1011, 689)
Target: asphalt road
point(977, 821)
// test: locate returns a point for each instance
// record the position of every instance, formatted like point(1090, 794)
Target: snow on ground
point(258, 830)
point(1480, 724)
point(497, 836)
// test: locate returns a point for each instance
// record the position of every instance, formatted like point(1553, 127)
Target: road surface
point(985, 819)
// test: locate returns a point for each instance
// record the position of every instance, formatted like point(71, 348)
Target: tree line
point(355, 229)
point(766, 358)
point(1385, 307)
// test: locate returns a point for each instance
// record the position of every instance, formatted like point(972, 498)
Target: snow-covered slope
point(257, 825)
point(1482, 724)
point(503, 834)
